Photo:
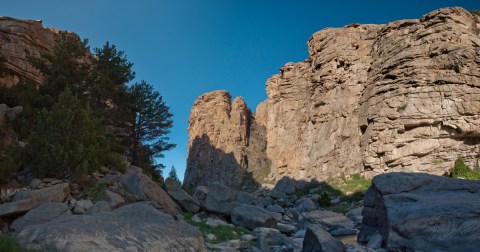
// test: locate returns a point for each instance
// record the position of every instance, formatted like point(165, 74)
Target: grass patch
point(8, 244)
point(461, 170)
point(349, 190)
point(223, 233)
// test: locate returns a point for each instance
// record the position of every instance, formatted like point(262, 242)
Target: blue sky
point(186, 48)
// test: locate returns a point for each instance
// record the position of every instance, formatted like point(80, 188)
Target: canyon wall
point(17, 38)
point(404, 96)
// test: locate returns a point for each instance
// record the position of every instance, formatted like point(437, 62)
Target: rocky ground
point(129, 211)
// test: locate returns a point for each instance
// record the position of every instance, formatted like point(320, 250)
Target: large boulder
point(216, 198)
point(334, 223)
point(219, 198)
point(144, 188)
point(180, 196)
point(422, 212)
point(251, 217)
point(319, 240)
point(8, 114)
point(135, 227)
point(26, 200)
point(44, 213)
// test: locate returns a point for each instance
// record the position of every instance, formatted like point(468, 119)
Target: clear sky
point(187, 48)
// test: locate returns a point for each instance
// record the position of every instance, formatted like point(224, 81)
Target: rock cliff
point(404, 96)
point(17, 38)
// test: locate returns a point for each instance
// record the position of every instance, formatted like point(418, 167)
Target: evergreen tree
point(68, 139)
point(68, 66)
point(173, 174)
point(151, 124)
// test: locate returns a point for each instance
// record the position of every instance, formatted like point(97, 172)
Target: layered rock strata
point(404, 96)
point(17, 39)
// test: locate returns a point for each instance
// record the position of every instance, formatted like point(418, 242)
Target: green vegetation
point(475, 12)
point(461, 170)
point(151, 123)
point(222, 233)
point(83, 115)
point(7, 243)
point(96, 191)
point(68, 139)
point(349, 190)
point(173, 175)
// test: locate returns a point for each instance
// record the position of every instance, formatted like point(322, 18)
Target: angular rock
point(421, 212)
point(286, 228)
point(26, 200)
point(217, 198)
point(269, 238)
point(275, 209)
point(145, 189)
point(356, 216)
point(252, 217)
point(99, 207)
point(181, 197)
point(114, 200)
point(318, 240)
point(85, 204)
point(41, 214)
point(334, 223)
point(135, 227)
point(305, 205)
point(232, 245)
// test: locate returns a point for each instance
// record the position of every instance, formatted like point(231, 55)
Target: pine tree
point(151, 124)
point(173, 174)
point(68, 139)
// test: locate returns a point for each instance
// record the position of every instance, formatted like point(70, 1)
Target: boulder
point(305, 205)
point(135, 227)
point(286, 228)
point(114, 200)
point(41, 214)
point(26, 200)
point(99, 207)
point(144, 188)
point(181, 197)
point(318, 240)
point(421, 212)
point(269, 239)
point(216, 198)
point(334, 223)
point(356, 216)
point(251, 217)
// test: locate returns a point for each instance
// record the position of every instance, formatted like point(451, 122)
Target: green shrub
point(324, 200)
point(115, 161)
point(96, 191)
point(475, 12)
point(222, 233)
point(68, 139)
point(8, 244)
point(461, 170)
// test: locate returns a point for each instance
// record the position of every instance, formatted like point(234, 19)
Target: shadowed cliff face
point(404, 96)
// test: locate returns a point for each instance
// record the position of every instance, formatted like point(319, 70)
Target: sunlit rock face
point(19, 38)
point(403, 96)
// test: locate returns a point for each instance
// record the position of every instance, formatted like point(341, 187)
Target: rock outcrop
point(403, 96)
point(17, 38)
point(421, 212)
point(135, 227)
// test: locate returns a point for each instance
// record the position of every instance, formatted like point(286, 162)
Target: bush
point(96, 191)
point(68, 139)
point(7, 243)
point(461, 170)
point(324, 200)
